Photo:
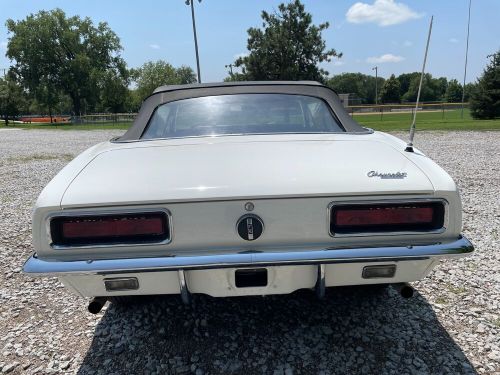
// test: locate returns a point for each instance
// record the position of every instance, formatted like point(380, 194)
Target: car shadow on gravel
point(353, 330)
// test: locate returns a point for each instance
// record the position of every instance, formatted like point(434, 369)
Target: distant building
point(349, 100)
point(344, 98)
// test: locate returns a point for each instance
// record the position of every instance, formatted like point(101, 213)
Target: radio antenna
point(409, 146)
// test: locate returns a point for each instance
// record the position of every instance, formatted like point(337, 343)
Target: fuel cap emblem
point(250, 227)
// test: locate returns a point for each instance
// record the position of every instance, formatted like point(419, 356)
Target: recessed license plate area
point(250, 277)
point(226, 282)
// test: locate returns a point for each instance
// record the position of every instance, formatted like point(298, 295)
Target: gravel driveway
point(451, 326)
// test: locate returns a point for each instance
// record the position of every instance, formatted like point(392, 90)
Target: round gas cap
point(250, 227)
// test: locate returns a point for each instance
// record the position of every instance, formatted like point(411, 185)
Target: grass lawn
point(450, 120)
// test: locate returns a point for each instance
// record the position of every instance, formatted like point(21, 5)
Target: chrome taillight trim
point(86, 212)
point(387, 201)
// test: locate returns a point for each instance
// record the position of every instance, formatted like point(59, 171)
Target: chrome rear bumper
point(39, 267)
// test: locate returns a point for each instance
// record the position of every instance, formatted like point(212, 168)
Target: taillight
point(386, 217)
point(109, 229)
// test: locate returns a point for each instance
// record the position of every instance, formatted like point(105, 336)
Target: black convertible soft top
point(165, 94)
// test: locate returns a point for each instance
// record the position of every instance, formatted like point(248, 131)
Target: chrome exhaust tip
point(96, 305)
point(405, 289)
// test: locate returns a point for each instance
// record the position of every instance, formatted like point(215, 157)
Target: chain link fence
point(385, 111)
point(443, 110)
point(104, 118)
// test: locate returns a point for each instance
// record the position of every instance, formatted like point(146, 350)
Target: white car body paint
point(205, 182)
point(205, 185)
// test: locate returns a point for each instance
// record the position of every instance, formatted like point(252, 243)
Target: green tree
point(114, 93)
point(134, 101)
point(287, 47)
point(440, 85)
point(361, 85)
point(62, 105)
point(185, 75)
point(433, 89)
point(154, 74)
point(46, 93)
point(469, 87)
point(235, 77)
point(55, 53)
point(390, 91)
point(404, 81)
point(454, 92)
point(12, 98)
point(485, 98)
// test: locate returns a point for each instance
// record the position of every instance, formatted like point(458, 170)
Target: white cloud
point(338, 63)
point(387, 58)
point(3, 45)
point(407, 43)
point(381, 12)
point(453, 40)
point(154, 46)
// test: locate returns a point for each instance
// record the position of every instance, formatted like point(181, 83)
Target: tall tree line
point(69, 65)
point(402, 88)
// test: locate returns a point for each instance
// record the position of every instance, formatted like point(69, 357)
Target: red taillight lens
point(385, 216)
point(388, 217)
point(110, 229)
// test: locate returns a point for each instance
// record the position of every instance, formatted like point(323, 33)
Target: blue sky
point(388, 33)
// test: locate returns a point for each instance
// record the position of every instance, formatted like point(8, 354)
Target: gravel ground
point(451, 326)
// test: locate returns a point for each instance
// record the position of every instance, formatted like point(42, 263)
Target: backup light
point(109, 229)
point(120, 284)
point(379, 271)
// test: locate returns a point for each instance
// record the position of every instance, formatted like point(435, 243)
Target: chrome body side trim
point(87, 212)
point(459, 247)
point(388, 201)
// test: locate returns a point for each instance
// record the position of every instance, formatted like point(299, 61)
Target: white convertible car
point(241, 189)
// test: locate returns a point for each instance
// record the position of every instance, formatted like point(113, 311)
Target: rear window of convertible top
point(241, 114)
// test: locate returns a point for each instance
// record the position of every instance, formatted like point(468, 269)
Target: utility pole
point(4, 71)
point(376, 84)
point(191, 2)
point(230, 66)
point(466, 55)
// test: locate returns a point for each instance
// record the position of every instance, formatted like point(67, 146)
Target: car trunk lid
point(239, 170)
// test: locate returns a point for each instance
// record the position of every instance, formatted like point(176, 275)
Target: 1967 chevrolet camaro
point(244, 189)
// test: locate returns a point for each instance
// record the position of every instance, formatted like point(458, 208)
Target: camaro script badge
point(396, 175)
